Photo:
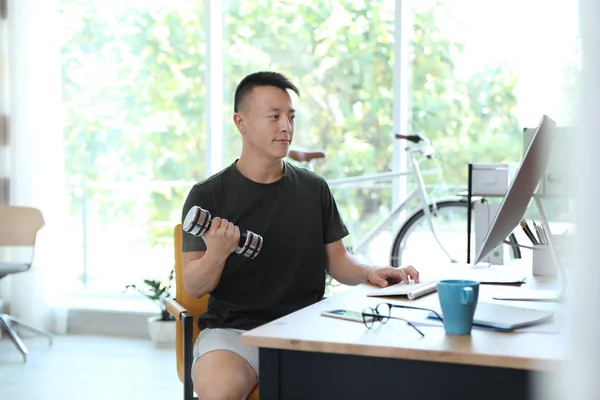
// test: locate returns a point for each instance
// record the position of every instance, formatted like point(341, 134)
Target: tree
point(134, 93)
point(469, 118)
point(134, 97)
point(341, 54)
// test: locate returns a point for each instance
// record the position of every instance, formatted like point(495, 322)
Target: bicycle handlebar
point(410, 138)
point(426, 148)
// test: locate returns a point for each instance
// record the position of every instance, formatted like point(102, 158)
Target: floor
point(90, 368)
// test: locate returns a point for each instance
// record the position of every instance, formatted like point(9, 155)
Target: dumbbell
point(197, 222)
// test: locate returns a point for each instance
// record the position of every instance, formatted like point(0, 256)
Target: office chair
point(18, 228)
point(186, 310)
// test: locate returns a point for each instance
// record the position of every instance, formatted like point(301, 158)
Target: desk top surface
point(307, 330)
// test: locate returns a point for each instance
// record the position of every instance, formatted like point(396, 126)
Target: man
point(294, 211)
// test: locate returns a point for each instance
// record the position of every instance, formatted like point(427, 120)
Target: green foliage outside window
point(135, 112)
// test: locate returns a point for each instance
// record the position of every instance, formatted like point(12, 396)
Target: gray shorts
point(225, 339)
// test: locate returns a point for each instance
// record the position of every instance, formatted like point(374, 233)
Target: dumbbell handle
point(198, 220)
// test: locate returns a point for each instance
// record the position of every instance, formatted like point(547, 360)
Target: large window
point(133, 88)
point(471, 75)
point(481, 72)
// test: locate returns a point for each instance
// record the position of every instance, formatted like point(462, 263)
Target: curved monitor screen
point(523, 186)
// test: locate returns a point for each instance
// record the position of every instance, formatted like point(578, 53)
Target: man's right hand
point(222, 238)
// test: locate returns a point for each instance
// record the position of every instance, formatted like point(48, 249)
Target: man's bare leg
point(223, 374)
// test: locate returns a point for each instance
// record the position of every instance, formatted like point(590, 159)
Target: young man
point(295, 213)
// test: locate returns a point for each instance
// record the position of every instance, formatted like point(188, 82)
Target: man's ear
point(239, 122)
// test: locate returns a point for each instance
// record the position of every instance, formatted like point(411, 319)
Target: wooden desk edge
point(399, 353)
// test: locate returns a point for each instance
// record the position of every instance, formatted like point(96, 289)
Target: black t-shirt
point(296, 216)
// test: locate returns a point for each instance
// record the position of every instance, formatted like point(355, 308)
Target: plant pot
point(162, 333)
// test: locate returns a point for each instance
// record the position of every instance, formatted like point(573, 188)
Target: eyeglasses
point(383, 313)
point(370, 315)
point(381, 308)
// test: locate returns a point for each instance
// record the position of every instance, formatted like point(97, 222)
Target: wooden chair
point(18, 228)
point(186, 310)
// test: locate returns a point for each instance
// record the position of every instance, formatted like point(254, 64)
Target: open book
point(506, 317)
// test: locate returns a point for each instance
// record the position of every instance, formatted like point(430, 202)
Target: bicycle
point(443, 220)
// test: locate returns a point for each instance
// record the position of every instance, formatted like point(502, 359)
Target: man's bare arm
point(201, 272)
point(347, 269)
point(344, 267)
point(202, 269)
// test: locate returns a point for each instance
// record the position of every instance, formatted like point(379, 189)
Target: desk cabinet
point(290, 374)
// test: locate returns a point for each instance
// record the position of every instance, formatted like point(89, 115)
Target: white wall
point(36, 165)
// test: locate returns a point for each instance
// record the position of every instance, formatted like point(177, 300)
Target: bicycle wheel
point(415, 244)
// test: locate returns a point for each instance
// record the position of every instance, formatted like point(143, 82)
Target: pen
point(527, 231)
point(543, 233)
point(540, 232)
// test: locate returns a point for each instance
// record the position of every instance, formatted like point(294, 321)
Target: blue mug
point(458, 300)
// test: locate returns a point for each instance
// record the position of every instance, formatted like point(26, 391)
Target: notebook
point(411, 290)
point(506, 317)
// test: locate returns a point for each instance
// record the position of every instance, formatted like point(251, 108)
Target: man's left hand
point(384, 276)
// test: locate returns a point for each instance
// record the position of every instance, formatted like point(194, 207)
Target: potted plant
point(160, 327)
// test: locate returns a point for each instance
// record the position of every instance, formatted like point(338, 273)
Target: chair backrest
point(193, 305)
point(19, 225)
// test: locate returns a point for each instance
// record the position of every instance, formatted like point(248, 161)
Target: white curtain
point(3, 132)
point(3, 110)
point(36, 167)
point(580, 380)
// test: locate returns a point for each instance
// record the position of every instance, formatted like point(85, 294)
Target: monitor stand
point(523, 294)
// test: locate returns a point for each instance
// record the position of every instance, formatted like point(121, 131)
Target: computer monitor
point(522, 188)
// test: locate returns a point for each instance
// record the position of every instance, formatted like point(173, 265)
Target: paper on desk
point(482, 274)
point(521, 294)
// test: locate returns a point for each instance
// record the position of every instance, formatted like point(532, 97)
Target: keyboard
point(411, 291)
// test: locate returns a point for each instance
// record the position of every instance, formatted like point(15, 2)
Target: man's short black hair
point(261, 79)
